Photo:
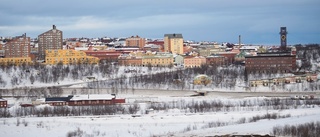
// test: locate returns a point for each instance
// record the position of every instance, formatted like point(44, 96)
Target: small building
point(178, 60)
point(3, 103)
point(152, 47)
point(84, 100)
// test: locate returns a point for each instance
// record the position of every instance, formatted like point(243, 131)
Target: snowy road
point(185, 93)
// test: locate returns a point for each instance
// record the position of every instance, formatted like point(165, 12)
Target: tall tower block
point(283, 38)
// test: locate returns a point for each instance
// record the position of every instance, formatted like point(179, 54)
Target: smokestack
point(54, 26)
point(239, 41)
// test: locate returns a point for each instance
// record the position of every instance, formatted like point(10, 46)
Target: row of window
point(272, 65)
point(3, 103)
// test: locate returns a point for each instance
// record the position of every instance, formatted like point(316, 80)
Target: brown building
point(50, 40)
point(279, 62)
point(130, 61)
point(18, 47)
point(136, 41)
point(216, 60)
point(229, 55)
point(3, 103)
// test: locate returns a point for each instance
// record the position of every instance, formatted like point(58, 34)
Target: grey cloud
point(221, 19)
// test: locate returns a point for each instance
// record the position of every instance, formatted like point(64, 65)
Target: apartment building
point(17, 47)
point(136, 41)
point(69, 57)
point(49, 40)
point(173, 43)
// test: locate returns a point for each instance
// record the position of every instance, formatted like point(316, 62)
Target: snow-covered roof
point(93, 97)
point(81, 48)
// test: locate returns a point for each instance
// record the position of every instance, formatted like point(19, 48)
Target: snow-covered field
point(170, 122)
point(242, 113)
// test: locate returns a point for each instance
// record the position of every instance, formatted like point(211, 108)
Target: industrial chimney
point(239, 41)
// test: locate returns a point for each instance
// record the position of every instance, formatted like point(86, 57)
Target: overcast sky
point(257, 21)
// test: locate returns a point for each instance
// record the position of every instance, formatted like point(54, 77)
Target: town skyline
point(222, 21)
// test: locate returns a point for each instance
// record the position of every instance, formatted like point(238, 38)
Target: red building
point(158, 42)
point(104, 54)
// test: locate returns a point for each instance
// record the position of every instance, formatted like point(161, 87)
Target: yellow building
point(157, 60)
point(173, 43)
point(69, 57)
point(15, 61)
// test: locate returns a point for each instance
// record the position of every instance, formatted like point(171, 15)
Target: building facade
point(136, 41)
point(69, 57)
point(173, 43)
point(130, 61)
point(110, 55)
point(229, 55)
point(157, 60)
point(3, 103)
point(216, 60)
point(50, 40)
point(178, 60)
point(278, 62)
point(18, 47)
point(191, 62)
point(15, 61)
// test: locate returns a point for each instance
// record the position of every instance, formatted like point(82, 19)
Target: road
point(186, 93)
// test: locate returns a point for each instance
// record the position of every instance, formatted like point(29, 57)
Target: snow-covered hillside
point(173, 113)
